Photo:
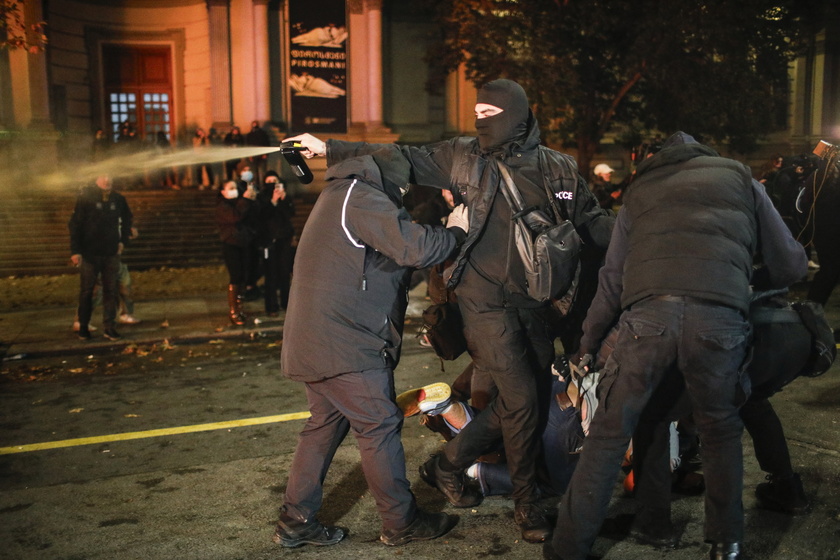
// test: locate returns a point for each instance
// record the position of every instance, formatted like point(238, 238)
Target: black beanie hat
point(395, 170)
point(508, 125)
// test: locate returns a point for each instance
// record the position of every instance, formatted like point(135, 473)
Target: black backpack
point(823, 346)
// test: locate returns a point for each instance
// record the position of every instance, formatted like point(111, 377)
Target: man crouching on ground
point(342, 338)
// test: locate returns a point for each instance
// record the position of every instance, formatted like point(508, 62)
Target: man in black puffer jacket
point(508, 333)
point(678, 271)
point(342, 338)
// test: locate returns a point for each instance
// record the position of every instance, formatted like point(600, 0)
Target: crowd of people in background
point(257, 235)
point(126, 140)
point(253, 215)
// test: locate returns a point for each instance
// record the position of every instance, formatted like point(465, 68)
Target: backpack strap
point(460, 172)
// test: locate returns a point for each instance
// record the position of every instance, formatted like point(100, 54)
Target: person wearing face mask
point(275, 241)
point(342, 338)
point(236, 218)
point(508, 334)
point(248, 189)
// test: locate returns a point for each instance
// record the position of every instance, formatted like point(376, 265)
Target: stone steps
point(177, 229)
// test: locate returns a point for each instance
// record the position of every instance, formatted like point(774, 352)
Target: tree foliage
point(15, 32)
point(714, 68)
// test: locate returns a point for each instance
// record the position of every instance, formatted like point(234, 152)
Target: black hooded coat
point(353, 263)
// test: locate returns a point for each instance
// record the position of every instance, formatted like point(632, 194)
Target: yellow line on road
point(154, 433)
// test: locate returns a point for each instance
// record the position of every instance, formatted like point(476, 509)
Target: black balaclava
point(511, 123)
point(395, 171)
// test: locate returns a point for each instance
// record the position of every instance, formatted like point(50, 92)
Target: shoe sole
point(410, 402)
point(659, 544)
point(447, 523)
point(434, 395)
point(286, 542)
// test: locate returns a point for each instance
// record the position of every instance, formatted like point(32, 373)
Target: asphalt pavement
point(201, 471)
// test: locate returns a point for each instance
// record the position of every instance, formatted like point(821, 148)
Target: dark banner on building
point(318, 65)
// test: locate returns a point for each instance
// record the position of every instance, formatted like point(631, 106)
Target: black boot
point(782, 494)
point(653, 527)
point(532, 522)
point(426, 526)
point(454, 485)
point(235, 305)
point(292, 533)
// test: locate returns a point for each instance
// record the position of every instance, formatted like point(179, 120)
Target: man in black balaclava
point(342, 340)
point(507, 332)
point(501, 114)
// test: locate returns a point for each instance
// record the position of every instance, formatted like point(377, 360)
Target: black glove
point(560, 367)
point(582, 364)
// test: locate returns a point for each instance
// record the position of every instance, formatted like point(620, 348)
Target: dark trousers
point(277, 264)
point(197, 174)
point(91, 269)
point(780, 353)
point(512, 347)
point(707, 344)
point(780, 350)
point(364, 402)
point(237, 261)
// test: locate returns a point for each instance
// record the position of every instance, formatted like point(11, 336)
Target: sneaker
point(127, 319)
point(111, 334)
point(431, 399)
point(83, 334)
point(785, 495)
point(532, 522)
point(426, 526)
point(77, 327)
point(291, 533)
point(453, 484)
point(813, 266)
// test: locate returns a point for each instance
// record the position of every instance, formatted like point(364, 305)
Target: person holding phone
point(275, 241)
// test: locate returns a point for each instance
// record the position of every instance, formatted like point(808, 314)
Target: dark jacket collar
point(679, 148)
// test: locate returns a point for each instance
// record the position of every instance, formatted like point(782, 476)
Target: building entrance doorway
point(138, 92)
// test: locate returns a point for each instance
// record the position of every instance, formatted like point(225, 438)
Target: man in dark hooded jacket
point(678, 271)
point(342, 338)
point(507, 332)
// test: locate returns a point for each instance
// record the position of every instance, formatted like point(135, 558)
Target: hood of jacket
point(679, 147)
point(366, 170)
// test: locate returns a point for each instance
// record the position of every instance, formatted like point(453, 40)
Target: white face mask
point(230, 194)
point(247, 176)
